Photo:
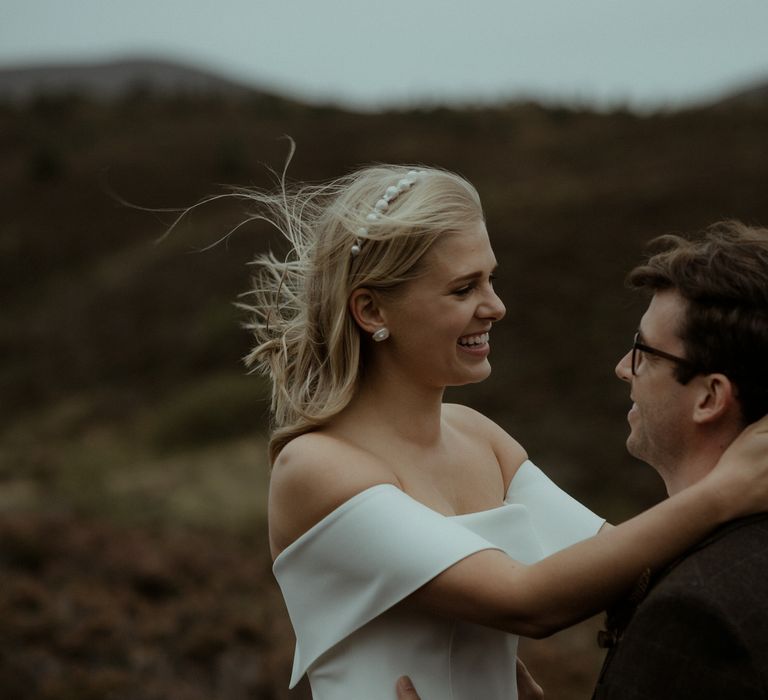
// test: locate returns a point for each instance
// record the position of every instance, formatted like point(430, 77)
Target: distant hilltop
point(114, 78)
point(109, 79)
point(753, 96)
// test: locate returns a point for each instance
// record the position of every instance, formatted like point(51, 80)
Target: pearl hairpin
point(390, 195)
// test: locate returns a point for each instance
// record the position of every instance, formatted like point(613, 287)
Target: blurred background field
point(133, 471)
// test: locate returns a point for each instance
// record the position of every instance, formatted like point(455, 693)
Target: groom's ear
point(715, 398)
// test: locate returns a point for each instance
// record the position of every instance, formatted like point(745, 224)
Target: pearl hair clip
point(391, 194)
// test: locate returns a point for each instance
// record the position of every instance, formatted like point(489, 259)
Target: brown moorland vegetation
point(132, 464)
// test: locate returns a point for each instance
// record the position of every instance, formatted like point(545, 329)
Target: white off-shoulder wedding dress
point(343, 578)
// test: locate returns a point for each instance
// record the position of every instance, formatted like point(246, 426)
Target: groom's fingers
point(405, 689)
point(527, 688)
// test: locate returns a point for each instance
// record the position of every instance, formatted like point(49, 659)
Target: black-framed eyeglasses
point(638, 348)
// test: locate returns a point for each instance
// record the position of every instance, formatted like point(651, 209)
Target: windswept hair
point(306, 339)
point(723, 276)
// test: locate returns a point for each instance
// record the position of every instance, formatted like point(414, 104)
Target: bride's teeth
point(480, 339)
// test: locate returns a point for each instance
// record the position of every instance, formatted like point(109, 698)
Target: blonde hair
point(306, 339)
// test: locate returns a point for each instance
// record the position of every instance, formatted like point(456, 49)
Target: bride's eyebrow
point(471, 276)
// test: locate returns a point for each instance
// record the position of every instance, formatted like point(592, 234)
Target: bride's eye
point(463, 291)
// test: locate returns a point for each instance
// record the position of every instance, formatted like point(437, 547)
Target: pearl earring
point(381, 334)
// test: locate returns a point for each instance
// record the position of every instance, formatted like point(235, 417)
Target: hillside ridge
point(112, 78)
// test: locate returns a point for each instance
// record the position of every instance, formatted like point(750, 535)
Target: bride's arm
point(491, 589)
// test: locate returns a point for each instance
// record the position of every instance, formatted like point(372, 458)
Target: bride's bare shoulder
point(312, 476)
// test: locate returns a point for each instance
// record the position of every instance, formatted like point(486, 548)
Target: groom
point(698, 374)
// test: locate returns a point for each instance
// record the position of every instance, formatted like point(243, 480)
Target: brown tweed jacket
point(702, 630)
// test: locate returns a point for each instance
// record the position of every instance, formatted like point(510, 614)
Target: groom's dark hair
point(723, 275)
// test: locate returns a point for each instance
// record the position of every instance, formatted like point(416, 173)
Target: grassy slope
point(122, 393)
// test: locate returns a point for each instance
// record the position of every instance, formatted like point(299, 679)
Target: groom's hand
point(527, 688)
point(405, 689)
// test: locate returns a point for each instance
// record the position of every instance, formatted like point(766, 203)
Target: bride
point(411, 536)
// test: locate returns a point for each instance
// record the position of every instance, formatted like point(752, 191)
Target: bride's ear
point(366, 309)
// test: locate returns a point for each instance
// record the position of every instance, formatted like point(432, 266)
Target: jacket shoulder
point(702, 629)
point(734, 557)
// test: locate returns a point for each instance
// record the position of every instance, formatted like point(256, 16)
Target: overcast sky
point(646, 53)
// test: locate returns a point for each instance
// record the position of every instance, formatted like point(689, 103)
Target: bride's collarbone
point(462, 484)
point(457, 474)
